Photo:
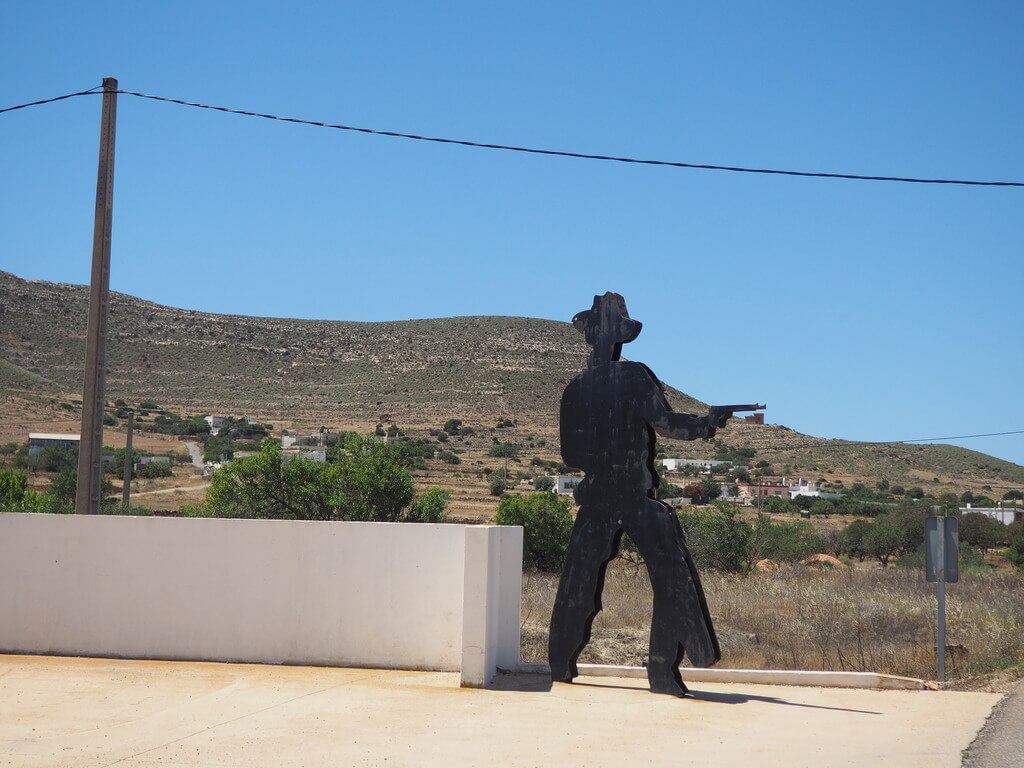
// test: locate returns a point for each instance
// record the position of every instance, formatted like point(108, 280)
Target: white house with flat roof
point(1004, 515)
point(37, 441)
point(676, 465)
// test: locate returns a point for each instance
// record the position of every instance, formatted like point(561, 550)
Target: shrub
point(504, 451)
point(543, 483)
point(54, 458)
point(784, 542)
point(155, 469)
point(547, 525)
point(717, 537)
point(431, 507)
point(498, 485)
point(366, 482)
point(15, 495)
point(1015, 552)
point(452, 426)
point(822, 507)
point(448, 457)
point(777, 505)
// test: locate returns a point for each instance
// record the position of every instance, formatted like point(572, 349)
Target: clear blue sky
point(854, 309)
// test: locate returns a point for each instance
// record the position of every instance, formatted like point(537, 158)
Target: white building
point(215, 422)
point(676, 465)
point(318, 455)
point(1004, 515)
point(802, 488)
point(565, 484)
point(37, 441)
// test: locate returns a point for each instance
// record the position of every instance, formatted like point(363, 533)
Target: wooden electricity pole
point(87, 499)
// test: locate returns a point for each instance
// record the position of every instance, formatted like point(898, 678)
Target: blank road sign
point(941, 548)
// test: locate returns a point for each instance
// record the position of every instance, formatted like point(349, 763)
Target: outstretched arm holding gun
point(718, 415)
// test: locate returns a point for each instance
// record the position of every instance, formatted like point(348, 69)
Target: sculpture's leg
point(680, 621)
point(593, 543)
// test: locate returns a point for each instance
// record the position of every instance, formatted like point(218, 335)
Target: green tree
point(776, 505)
point(504, 450)
point(710, 489)
point(452, 426)
point(853, 539)
point(822, 507)
point(543, 483)
point(431, 507)
point(981, 531)
point(15, 495)
point(784, 542)
point(498, 485)
point(1015, 552)
point(547, 525)
point(366, 482)
point(55, 458)
point(717, 537)
point(156, 469)
point(884, 540)
point(667, 490)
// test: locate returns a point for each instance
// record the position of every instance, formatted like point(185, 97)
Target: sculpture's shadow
point(745, 698)
point(540, 683)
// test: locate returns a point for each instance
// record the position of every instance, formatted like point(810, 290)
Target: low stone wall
point(383, 595)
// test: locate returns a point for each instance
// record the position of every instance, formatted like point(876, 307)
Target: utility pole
point(126, 490)
point(87, 499)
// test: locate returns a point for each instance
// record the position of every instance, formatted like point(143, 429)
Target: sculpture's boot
point(563, 672)
point(664, 683)
point(663, 665)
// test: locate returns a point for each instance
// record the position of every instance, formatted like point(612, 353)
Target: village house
point(37, 441)
point(565, 484)
point(1004, 515)
point(676, 465)
point(215, 422)
point(750, 492)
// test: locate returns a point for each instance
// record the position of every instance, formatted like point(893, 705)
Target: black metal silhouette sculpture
point(609, 416)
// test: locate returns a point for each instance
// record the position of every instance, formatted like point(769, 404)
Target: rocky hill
point(351, 375)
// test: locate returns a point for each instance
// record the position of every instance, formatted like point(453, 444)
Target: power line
point(90, 92)
point(539, 151)
point(857, 444)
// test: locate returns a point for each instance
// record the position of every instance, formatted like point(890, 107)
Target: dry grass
point(803, 618)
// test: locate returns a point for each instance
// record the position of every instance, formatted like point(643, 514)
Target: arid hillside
point(418, 373)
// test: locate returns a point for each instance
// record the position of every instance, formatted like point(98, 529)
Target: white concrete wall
point(388, 595)
point(491, 612)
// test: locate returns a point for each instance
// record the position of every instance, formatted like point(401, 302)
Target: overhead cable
point(536, 150)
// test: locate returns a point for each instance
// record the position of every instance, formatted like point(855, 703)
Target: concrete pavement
point(94, 713)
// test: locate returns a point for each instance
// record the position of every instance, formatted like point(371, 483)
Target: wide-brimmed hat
point(608, 316)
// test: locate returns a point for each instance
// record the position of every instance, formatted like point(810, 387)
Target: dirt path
point(196, 453)
point(171, 490)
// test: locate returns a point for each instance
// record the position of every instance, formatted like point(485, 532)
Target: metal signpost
point(941, 565)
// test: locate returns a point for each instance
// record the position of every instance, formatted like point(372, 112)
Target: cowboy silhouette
point(609, 416)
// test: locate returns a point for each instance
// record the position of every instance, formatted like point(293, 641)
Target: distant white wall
point(384, 595)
